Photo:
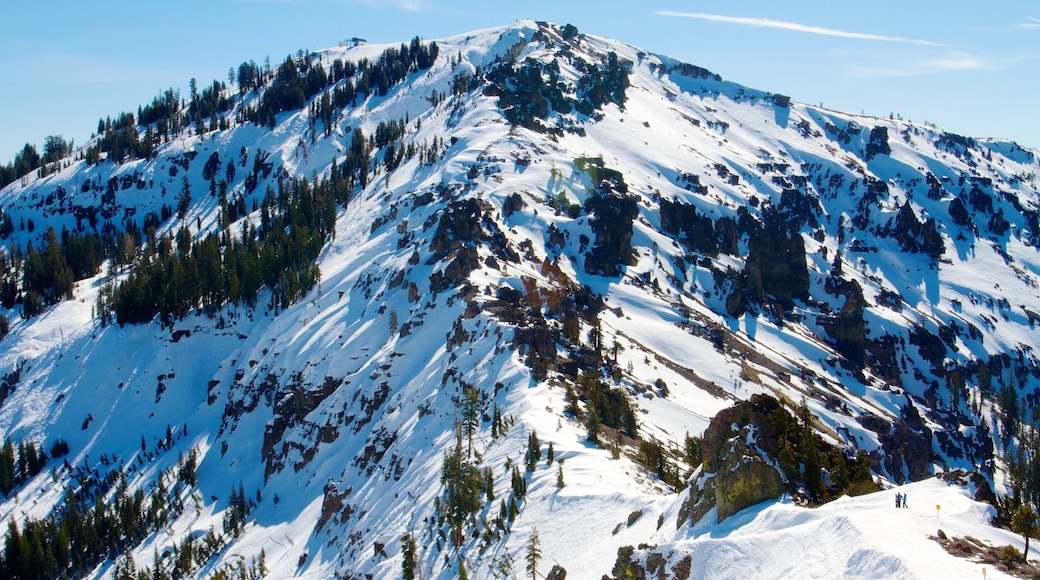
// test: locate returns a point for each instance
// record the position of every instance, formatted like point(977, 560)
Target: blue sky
point(970, 69)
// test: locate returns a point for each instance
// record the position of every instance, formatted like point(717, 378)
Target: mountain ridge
point(509, 255)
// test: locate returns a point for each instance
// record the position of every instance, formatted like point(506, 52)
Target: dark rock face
point(294, 402)
point(981, 202)
point(878, 144)
point(463, 262)
point(799, 209)
point(696, 231)
point(748, 483)
point(847, 326)
point(458, 232)
point(907, 444)
point(459, 225)
point(914, 236)
point(611, 221)
point(331, 504)
point(936, 190)
point(959, 212)
point(930, 347)
point(775, 270)
point(908, 453)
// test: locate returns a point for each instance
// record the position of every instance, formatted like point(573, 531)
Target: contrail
point(796, 27)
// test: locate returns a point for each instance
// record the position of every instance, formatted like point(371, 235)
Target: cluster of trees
point(250, 76)
point(39, 278)
point(803, 454)
point(1023, 461)
point(211, 103)
point(237, 512)
point(25, 161)
point(17, 469)
point(101, 520)
point(86, 530)
point(164, 112)
point(119, 139)
point(176, 275)
point(470, 490)
point(299, 79)
point(167, 115)
point(464, 484)
point(173, 274)
point(294, 83)
point(394, 65)
point(604, 405)
point(55, 148)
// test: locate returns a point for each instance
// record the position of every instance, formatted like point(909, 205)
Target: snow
point(224, 381)
point(851, 537)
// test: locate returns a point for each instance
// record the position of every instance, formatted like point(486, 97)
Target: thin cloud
point(83, 69)
point(954, 62)
point(407, 5)
point(796, 27)
point(1033, 24)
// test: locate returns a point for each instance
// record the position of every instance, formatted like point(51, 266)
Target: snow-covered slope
point(689, 241)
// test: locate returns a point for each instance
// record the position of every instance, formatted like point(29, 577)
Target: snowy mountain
point(548, 250)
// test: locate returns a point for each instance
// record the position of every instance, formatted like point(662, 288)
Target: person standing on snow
point(899, 498)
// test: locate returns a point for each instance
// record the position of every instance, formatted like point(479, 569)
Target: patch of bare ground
point(1007, 559)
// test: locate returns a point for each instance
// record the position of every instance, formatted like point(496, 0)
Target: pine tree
point(496, 423)
point(534, 451)
point(534, 554)
point(810, 453)
point(184, 199)
point(408, 561)
point(1024, 522)
point(470, 412)
point(571, 406)
point(592, 426)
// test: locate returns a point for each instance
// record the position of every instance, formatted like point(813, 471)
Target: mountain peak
point(398, 305)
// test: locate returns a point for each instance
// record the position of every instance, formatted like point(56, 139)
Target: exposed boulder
point(557, 573)
point(740, 466)
point(750, 480)
point(757, 450)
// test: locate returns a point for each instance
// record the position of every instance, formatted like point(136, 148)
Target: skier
point(904, 500)
point(899, 498)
